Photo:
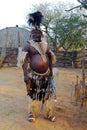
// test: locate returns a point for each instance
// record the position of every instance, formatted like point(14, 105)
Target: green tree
point(64, 29)
point(71, 31)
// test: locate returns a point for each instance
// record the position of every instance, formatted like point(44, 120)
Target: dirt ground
point(14, 101)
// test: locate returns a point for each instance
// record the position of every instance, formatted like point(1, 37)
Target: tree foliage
point(64, 29)
point(83, 3)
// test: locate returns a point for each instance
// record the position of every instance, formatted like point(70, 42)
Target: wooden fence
point(64, 59)
point(81, 56)
point(71, 58)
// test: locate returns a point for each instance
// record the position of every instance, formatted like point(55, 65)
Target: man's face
point(36, 35)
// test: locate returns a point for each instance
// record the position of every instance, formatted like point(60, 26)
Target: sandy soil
point(14, 101)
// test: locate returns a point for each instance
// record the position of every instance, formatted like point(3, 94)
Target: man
point(37, 70)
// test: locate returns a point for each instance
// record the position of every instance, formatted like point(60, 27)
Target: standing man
point(37, 68)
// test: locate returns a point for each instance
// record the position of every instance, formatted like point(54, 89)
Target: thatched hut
point(11, 36)
point(10, 40)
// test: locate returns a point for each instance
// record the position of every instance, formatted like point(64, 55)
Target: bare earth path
point(13, 103)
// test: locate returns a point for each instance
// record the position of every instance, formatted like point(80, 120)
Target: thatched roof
point(11, 36)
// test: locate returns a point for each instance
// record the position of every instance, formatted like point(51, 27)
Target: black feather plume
point(35, 19)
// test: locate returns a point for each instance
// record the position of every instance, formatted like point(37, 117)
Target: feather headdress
point(35, 19)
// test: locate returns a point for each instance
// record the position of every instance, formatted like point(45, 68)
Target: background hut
point(11, 38)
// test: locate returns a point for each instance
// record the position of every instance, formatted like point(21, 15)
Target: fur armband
point(53, 57)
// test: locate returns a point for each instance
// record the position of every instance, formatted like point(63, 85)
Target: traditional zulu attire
point(37, 70)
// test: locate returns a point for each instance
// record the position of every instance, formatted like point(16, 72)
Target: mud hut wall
point(11, 57)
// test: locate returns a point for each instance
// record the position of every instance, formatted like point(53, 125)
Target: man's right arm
point(26, 62)
point(25, 68)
